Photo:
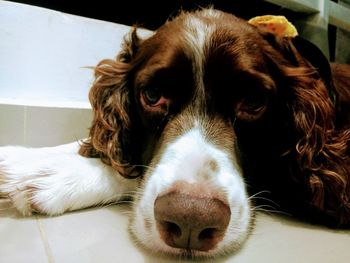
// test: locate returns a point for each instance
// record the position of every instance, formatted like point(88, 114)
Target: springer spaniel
point(191, 123)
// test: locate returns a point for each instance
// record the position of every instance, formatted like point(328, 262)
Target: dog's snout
point(191, 221)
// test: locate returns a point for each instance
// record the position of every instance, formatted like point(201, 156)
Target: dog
point(194, 123)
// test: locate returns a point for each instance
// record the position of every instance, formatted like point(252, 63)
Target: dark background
point(150, 13)
point(153, 13)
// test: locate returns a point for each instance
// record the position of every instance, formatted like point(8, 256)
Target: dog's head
point(174, 109)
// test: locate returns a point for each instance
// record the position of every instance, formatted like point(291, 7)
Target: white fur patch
point(197, 34)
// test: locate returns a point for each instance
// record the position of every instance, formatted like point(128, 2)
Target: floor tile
point(92, 235)
point(291, 241)
point(20, 239)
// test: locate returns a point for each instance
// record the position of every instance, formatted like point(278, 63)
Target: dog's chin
point(187, 254)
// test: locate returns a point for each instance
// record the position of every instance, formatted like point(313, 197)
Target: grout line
point(25, 125)
point(44, 240)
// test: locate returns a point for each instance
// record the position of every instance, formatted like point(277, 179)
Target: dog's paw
point(55, 180)
point(27, 183)
point(43, 180)
point(23, 193)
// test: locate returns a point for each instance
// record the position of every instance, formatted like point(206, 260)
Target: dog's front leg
point(53, 180)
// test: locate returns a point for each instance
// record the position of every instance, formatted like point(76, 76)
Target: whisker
point(264, 207)
point(258, 193)
point(126, 212)
point(266, 199)
point(269, 210)
point(257, 197)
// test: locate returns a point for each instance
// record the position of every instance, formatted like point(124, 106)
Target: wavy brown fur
point(109, 98)
point(321, 151)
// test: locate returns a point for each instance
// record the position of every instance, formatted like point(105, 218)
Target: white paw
point(31, 180)
point(24, 192)
point(57, 179)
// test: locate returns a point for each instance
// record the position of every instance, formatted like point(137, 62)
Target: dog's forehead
point(197, 36)
point(203, 28)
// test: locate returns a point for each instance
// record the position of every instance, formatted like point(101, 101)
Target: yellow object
point(278, 25)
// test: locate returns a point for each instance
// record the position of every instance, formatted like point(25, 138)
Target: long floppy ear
point(110, 98)
point(317, 59)
point(320, 150)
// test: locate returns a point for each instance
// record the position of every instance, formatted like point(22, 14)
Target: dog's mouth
point(192, 254)
point(187, 254)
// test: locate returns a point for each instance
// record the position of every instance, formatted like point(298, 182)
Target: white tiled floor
point(95, 235)
point(20, 239)
point(100, 235)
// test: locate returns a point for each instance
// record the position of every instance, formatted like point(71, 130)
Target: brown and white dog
point(191, 122)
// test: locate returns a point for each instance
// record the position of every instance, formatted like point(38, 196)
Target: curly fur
point(109, 97)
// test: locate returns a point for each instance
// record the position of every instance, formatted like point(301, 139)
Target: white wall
point(43, 54)
point(43, 83)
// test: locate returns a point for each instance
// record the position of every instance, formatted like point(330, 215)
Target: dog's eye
point(253, 104)
point(152, 95)
point(251, 107)
point(153, 100)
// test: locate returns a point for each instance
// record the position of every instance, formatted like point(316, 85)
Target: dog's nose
point(191, 222)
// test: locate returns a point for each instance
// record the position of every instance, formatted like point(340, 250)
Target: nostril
point(207, 233)
point(171, 233)
point(171, 228)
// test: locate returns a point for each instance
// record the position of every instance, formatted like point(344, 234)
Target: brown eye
point(254, 104)
point(251, 107)
point(152, 95)
point(153, 100)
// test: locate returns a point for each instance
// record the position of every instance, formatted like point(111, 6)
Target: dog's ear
point(318, 60)
point(130, 46)
point(110, 98)
point(318, 149)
